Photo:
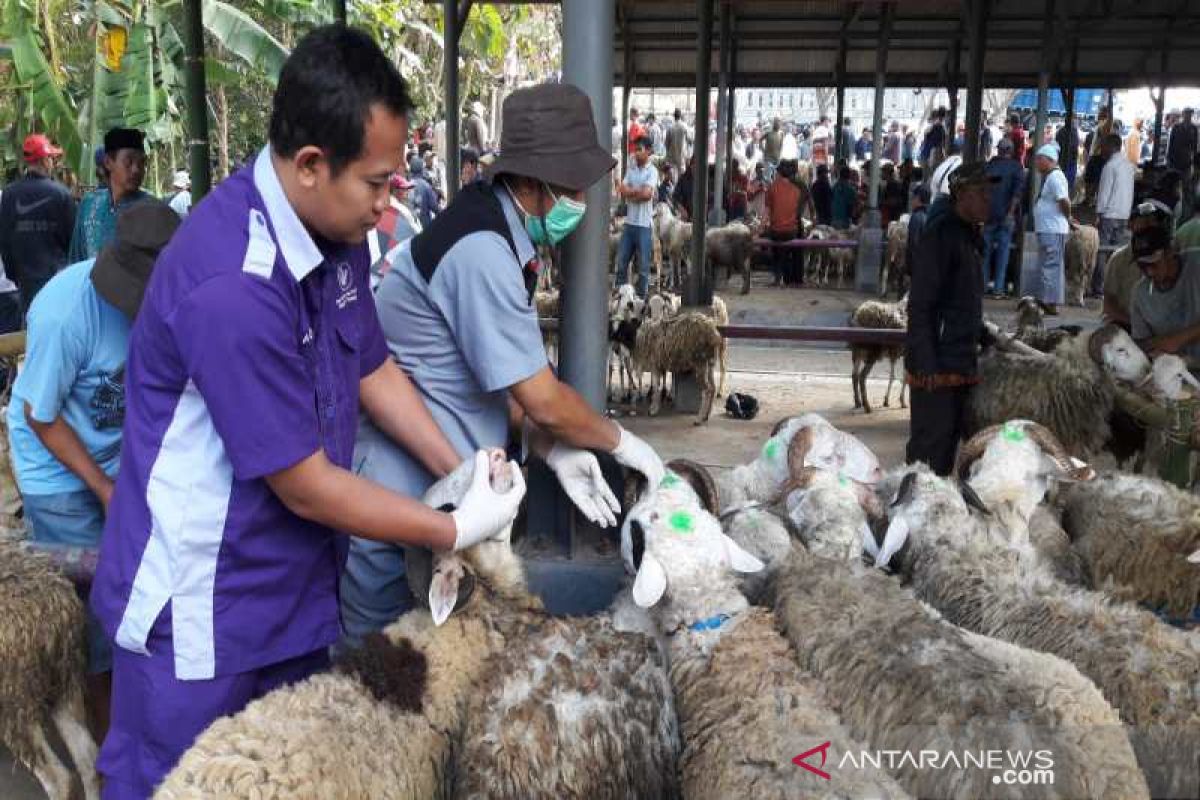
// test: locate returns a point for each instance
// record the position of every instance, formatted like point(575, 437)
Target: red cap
point(398, 181)
point(38, 146)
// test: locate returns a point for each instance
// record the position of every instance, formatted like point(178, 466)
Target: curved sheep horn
point(973, 448)
point(700, 480)
point(904, 493)
point(780, 425)
point(972, 499)
point(1099, 339)
point(1044, 438)
point(798, 449)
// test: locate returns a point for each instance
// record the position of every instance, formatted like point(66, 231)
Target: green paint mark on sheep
point(771, 449)
point(680, 522)
point(1012, 433)
point(842, 480)
point(670, 480)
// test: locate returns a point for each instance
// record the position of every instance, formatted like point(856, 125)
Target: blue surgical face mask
point(563, 218)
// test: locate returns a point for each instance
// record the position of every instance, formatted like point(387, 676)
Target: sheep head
point(1029, 314)
point(926, 504)
point(1171, 378)
point(1117, 354)
point(810, 441)
point(824, 500)
point(452, 582)
point(676, 546)
point(1010, 467)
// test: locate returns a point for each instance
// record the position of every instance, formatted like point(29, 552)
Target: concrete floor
point(786, 378)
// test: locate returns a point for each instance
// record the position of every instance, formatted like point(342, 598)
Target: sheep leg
point(707, 390)
point(724, 364)
point(868, 363)
point(69, 720)
point(891, 379)
point(855, 364)
point(746, 275)
point(654, 399)
point(51, 773)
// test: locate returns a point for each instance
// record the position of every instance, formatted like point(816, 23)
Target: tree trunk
point(221, 107)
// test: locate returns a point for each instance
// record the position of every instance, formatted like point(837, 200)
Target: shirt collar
point(520, 237)
point(300, 252)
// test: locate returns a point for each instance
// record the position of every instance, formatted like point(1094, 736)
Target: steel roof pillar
point(698, 285)
point(717, 216)
point(978, 43)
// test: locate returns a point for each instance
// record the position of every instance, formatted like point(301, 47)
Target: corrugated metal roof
point(791, 43)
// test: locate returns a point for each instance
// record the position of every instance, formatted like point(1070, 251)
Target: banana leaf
point(244, 37)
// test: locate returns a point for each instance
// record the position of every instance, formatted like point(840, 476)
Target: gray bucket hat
point(123, 267)
point(549, 134)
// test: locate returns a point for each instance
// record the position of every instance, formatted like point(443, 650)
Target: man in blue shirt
point(456, 310)
point(68, 403)
point(637, 190)
point(254, 351)
point(121, 187)
point(844, 200)
point(997, 232)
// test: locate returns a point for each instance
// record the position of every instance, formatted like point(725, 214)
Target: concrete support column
point(697, 289)
point(587, 63)
point(978, 38)
point(870, 240)
point(450, 22)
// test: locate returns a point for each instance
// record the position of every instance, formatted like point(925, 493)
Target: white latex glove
point(579, 475)
point(484, 512)
point(634, 453)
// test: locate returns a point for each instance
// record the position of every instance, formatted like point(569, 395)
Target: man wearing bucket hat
point(456, 310)
point(1165, 311)
point(37, 216)
point(1052, 222)
point(68, 403)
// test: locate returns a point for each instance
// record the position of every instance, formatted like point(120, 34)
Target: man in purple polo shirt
point(256, 345)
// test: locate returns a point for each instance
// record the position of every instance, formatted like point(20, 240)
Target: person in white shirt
point(1052, 222)
point(181, 203)
point(637, 190)
point(790, 149)
point(1114, 201)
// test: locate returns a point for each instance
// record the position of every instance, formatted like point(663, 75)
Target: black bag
point(741, 406)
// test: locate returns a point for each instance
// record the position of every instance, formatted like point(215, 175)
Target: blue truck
point(1088, 102)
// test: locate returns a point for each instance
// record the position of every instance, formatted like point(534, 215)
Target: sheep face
point(830, 449)
point(833, 503)
point(923, 502)
point(454, 573)
point(676, 545)
point(1120, 356)
point(1171, 379)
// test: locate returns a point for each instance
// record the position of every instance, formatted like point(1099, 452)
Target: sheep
point(548, 303)
point(1079, 260)
point(42, 671)
point(955, 561)
point(895, 265)
point(876, 314)
point(675, 238)
point(626, 310)
point(1134, 535)
point(1071, 391)
point(689, 342)
point(748, 715)
point(796, 443)
point(894, 701)
point(731, 246)
point(1031, 327)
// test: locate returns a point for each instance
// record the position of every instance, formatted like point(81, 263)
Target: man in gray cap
point(68, 404)
point(457, 313)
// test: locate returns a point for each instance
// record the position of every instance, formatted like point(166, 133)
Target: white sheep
point(42, 672)
point(995, 584)
point(1079, 260)
point(1071, 391)
point(746, 711)
point(675, 237)
point(895, 265)
point(731, 246)
point(877, 314)
point(1135, 535)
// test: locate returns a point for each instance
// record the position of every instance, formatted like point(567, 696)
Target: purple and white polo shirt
point(245, 359)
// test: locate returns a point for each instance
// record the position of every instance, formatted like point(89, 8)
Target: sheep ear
point(868, 541)
point(1190, 379)
point(443, 594)
point(1195, 557)
point(739, 559)
point(897, 535)
point(972, 499)
point(650, 583)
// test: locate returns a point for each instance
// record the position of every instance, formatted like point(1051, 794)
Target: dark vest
point(475, 208)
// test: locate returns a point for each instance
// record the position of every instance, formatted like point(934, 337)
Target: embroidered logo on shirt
point(308, 337)
point(349, 291)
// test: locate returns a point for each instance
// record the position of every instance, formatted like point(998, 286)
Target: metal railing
point(793, 333)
